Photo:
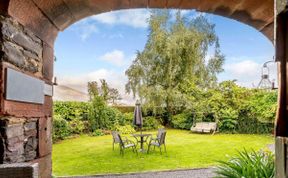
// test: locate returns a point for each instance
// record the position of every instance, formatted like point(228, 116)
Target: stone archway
point(29, 29)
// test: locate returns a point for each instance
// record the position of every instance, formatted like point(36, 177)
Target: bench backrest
point(206, 125)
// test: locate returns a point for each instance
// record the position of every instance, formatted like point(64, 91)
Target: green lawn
point(87, 155)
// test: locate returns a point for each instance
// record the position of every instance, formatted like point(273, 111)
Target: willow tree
point(175, 54)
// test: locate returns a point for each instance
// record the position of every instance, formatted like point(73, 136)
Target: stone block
point(28, 14)
point(57, 11)
point(7, 28)
point(45, 136)
point(30, 126)
point(78, 8)
point(31, 155)
point(30, 133)
point(21, 109)
point(31, 144)
point(14, 130)
point(45, 166)
point(157, 3)
point(13, 157)
point(16, 148)
point(48, 62)
point(14, 140)
point(19, 170)
point(26, 42)
point(15, 33)
point(33, 55)
point(13, 54)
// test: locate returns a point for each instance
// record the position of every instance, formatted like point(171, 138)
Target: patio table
point(142, 140)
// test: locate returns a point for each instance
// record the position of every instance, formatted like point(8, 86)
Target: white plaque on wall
point(22, 87)
point(48, 89)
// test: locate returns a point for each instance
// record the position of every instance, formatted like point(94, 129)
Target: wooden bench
point(204, 127)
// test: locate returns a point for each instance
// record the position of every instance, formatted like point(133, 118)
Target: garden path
point(188, 173)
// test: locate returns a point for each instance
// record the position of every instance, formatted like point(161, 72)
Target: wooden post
point(281, 53)
point(281, 46)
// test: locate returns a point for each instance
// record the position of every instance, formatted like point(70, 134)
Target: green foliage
point(107, 93)
point(124, 109)
point(80, 117)
point(126, 129)
point(70, 110)
point(174, 55)
point(97, 132)
point(101, 116)
point(97, 113)
point(128, 118)
point(150, 123)
point(235, 109)
point(228, 120)
point(263, 105)
point(248, 164)
point(182, 121)
point(61, 128)
point(76, 126)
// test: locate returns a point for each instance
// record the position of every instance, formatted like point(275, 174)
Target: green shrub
point(97, 114)
point(101, 116)
point(61, 128)
point(98, 132)
point(250, 125)
point(70, 110)
point(150, 123)
point(124, 109)
point(114, 118)
point(248, 164)
point(128, 118)
point(182, 121)
point(126, 129)
point(76, 126)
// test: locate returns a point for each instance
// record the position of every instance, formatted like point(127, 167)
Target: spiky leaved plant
point(246, 164)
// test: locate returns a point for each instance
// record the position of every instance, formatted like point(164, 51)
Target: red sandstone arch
point(46, 18)
point(41, 20)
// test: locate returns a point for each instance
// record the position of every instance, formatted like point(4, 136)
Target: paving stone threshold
point(178, 173)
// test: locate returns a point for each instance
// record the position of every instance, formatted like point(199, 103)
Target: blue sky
point(103, 46)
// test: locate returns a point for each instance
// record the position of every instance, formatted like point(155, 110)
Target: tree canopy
point(175, 55)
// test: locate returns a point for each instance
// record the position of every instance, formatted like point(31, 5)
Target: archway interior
point(77, 39)
point(40, 22)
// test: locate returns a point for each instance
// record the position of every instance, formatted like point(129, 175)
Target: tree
point(104, 90)
point(175, 54)
point(92, 90)
point(114, 95)
point(107, 93)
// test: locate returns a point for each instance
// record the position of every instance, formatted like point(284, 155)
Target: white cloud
point(114, 79)
point(246, 67)
point(246, 72)
point(136, 18)
point(115, 57)
point(85, 29)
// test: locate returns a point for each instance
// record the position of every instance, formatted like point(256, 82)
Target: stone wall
point(19, 139)
point(20, 47)
point(25, 128)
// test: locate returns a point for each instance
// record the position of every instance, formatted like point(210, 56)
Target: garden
point(83, 146)
point(177, 87)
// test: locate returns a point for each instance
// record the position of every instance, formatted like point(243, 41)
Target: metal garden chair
point(124, 144)
point(116, 139)
point(158, 141)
